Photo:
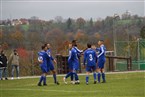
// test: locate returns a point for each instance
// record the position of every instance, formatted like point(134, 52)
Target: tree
point(80, 22)
point(142, 32)
point(69, 23)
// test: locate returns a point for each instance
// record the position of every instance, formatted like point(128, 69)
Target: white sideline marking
point(124, 72)
point(44, 90)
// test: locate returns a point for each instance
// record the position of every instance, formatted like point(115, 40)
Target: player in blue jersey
point(50, 64)
point(90, 60)
point(73, 62)
point(101, 61)
point(42, 59)
point(70, 73)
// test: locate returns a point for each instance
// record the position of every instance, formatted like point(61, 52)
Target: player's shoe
point(64, 80)
point(44, 84)
point(6, 78)
point(18, 77)
point(71, 82)
point(77, 82)
point(87, 83)
point(12, 78)
point(95, 82)
point(103, 81)
point(39, 84)
point(57, 83)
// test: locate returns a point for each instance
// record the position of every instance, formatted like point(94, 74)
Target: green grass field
point(118, 85)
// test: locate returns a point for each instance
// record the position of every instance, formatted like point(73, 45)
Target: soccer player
point(42, 59)
point(70, 67)
point(90, 57)
point(74, 42)
point(74, 62)
point(50, 64)
point(101, 61)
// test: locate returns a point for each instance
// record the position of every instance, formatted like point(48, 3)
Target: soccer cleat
point(71, 82)
point(77, 82)
point(39, 84)
point(6, 78)
point(18, 77)
point(64, 80)
point(57, 83)
point(87, 83)
point(95, 82)
point(12, 78)
point(103, 81)
point(44, 84)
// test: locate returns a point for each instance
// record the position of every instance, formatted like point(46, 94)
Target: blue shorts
point(90, 68)
point(43, 69)
point(75, 66)
point(50, 67)
point(101, 63)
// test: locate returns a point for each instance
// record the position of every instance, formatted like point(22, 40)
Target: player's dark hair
point(43, 46)
point(89, 45)
point(74, 42)
point(101, 40)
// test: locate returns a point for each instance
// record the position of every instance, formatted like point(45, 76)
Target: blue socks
point(75, 76)
point(87, 78)
point(99, 75)
point(41, 78)
point(94, 74)
point(103, 77)
point(54, 76)
point(44, 80)
point(68, 74)
point(71, 77)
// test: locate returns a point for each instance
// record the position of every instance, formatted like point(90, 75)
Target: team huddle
point(93, 60)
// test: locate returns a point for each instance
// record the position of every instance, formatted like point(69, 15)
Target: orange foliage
point(17, 35)
point(22, 52)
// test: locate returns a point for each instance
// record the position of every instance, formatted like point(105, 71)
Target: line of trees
point(58, 32)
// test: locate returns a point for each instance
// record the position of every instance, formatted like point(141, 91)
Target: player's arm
point(78, 51)
point(102, 51)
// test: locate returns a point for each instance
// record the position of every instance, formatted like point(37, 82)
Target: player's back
point(42, 55)
point(90, 56)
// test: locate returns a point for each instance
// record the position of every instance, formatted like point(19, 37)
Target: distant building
point(16, 22)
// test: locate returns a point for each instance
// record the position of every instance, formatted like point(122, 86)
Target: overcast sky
point(49, 9)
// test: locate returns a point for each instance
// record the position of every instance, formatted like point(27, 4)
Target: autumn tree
point(81, 23)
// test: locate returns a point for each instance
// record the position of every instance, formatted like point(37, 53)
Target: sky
point(49, 9)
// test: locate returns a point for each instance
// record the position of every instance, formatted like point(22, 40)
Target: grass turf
point(118, 85)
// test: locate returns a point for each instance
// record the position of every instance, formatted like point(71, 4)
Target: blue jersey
point(73, 58)
point(101, 50)
point(50, 60)
point(90, 57)
point(43, 56)
point(101, 56)
point(49, 53)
